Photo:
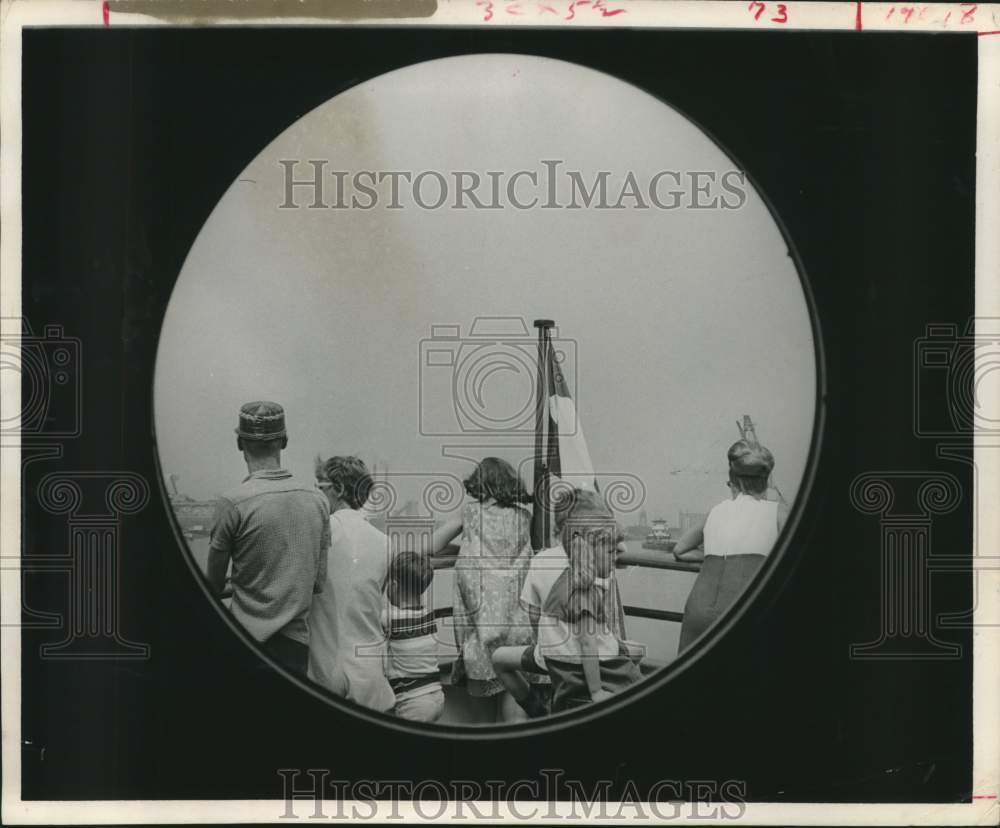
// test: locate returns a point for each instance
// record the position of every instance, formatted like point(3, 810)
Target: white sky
point(683, 320)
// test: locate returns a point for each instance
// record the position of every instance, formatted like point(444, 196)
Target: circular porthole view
point(484, 394)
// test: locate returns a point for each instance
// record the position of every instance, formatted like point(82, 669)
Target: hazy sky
point(683, 320)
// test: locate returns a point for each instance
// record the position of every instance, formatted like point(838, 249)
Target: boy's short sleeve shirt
point(556, 639)
point(543, 571)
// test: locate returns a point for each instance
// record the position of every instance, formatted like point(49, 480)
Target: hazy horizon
point(682, 321)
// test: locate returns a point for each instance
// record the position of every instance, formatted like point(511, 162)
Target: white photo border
point(678, 14)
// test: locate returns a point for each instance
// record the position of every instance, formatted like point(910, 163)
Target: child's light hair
point(750, 466)
point(587, 530)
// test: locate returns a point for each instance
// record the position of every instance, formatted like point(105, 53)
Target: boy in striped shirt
point(411, 659)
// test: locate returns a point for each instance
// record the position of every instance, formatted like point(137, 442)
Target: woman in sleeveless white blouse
point(738, 535)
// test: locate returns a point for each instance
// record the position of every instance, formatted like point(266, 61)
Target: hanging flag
point(562, 459)
point(561, 454)
point(568, 453)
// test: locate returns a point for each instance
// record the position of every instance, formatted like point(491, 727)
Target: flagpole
point(540, 525)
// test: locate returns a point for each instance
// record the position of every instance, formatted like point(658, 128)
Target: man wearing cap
point(274, 529)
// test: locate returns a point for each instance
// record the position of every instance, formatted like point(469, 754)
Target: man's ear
point(239, 443)
point(284, 443)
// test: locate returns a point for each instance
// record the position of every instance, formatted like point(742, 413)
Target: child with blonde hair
point(583, 655)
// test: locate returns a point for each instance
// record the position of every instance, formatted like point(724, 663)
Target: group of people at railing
point(535, 631)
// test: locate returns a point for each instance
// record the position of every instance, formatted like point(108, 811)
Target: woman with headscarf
point(738, 535)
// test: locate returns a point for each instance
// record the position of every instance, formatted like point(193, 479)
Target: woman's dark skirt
point(720, 582)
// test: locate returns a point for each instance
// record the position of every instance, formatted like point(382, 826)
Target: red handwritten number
point(605, 11)
point(488, 11)
point(782, 14)
point(756, 4)
point(968, 12)
point(907, 14)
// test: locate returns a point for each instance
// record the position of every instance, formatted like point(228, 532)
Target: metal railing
point(648, 558)
point(645, 558)
point(651, 559)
